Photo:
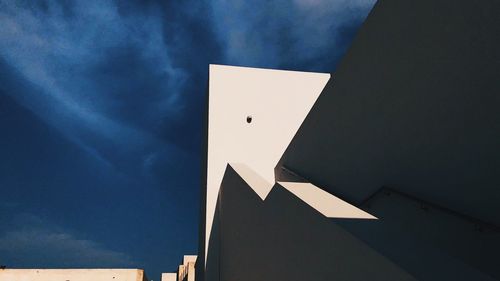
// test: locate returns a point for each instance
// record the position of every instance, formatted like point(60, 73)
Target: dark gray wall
point(415, 105)
point(425, 234)
point(282, 238)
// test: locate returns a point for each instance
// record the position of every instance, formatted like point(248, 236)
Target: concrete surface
point(72, 275)
point(168, 277)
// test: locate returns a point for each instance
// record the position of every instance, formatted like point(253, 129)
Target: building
point(388, 169)
point(72, 275)
point(185, 272)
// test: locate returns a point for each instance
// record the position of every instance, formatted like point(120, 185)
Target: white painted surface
point(325, 203)
point(278, 102)
point(254, 180)
point(189, 258)
point(320, 200)
point(71, 275)
point(168, 277)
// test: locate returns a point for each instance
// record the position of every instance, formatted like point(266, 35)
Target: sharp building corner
point(387, 169)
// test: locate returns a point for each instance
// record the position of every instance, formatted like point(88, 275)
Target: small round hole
point(249, 119)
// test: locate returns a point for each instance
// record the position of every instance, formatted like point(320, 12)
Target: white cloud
point(35, 242)
point(55, 49)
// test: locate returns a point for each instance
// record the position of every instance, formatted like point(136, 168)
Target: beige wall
point(72, 275)
point(185, 272)
point(168, 277)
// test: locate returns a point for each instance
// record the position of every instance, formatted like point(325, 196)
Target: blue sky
point(101, 112)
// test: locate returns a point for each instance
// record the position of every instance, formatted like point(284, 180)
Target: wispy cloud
point(284, 33)
point(36, 242)
point(8, 205)
point(101, 71)
point(71, 51)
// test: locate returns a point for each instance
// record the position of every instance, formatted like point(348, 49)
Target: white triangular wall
point(278, 102)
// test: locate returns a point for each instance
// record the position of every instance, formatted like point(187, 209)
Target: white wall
point(278, 102)
point(71, 275)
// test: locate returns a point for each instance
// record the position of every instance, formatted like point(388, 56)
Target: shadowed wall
point(414, 105)
point(282, 238)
